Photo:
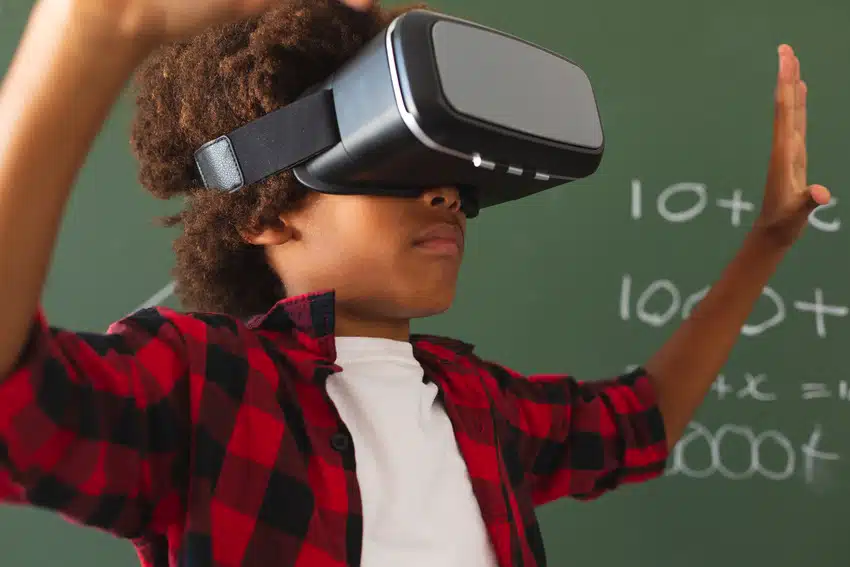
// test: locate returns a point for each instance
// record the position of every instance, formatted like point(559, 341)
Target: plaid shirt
point(212, 442)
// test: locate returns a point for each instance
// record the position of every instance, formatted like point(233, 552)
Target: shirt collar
point(310, 318)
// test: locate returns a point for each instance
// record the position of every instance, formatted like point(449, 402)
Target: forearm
point(60, 87)
point(688, 363)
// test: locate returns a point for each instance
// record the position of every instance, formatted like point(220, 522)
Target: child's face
point(371, 251)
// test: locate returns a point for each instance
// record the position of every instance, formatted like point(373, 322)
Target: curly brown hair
point(193, 91)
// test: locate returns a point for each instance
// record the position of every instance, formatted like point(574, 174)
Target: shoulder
point(222, 349)
point(443, 348)
point(190, 329)
point(462, 354)
point(154, 319)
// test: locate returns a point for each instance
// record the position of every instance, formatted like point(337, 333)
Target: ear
point(273, 234)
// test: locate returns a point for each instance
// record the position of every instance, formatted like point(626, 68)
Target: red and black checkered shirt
point(209, 441)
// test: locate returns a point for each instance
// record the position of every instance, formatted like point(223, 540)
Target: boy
point(292, 419)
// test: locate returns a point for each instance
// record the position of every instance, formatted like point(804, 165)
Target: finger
point(795, 83)
point(783, 121)
point(801, 112)
point(819, 195)
point(795, 66)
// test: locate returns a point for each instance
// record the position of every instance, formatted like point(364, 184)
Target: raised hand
point(788, 197)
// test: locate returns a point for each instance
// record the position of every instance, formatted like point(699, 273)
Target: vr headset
point(431, 101)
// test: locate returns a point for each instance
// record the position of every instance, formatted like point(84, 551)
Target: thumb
point(816, 196)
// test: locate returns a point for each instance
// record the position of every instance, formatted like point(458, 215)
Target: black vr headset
point(431, 101)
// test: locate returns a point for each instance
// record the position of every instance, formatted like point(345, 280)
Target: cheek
point(357, 246)
point(367, 254)
point(369, 239)
point(379, 246)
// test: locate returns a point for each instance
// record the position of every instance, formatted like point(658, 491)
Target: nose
point(445, 197)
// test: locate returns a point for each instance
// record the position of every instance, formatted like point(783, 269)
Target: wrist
point(769, 240)
point(90, 30)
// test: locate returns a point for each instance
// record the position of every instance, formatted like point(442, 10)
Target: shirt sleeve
point(96, 426)
point(582, 439)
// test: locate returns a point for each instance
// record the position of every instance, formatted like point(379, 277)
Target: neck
point(346, 325)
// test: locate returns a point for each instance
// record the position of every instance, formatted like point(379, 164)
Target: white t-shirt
point(418, 506)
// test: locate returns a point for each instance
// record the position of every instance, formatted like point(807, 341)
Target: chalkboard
point(592, 277)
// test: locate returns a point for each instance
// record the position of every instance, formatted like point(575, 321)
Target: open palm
point(788, 197)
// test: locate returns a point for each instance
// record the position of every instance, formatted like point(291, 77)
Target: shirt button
point(340, 442)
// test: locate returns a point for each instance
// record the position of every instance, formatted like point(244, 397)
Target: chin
point(425, 304)
point(396, 303)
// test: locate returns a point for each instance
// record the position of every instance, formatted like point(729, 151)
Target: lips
point(443, 238)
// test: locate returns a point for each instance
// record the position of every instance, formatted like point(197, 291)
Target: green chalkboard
point(593, 277)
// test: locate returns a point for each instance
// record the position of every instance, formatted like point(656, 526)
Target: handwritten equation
point(659, 302)
point(702, 453)
point(683, 202)
point(756, 387)
point(736, 451)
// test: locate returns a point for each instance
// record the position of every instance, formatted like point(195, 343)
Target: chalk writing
point(752, 388)
point(164, 293)
point(819, 309)
point(768, 454)
point(683, 202)
point(815, 391)
point(822, 390)
point(680, 307)
point(721, 387)
point(825, 225)
point(736, 206)
point(755, 388)
point(672, 303)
